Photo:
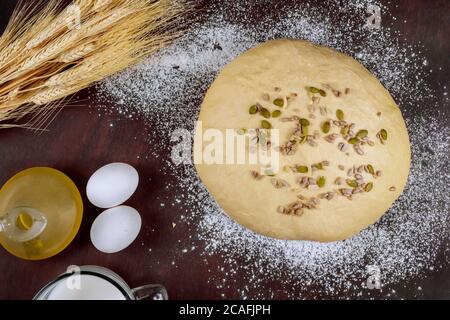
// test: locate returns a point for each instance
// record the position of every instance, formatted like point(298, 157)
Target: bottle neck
point(23, 224)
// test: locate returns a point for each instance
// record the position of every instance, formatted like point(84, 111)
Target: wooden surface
point(79, 141)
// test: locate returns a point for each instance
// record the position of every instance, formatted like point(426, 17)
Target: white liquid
point(85, 287)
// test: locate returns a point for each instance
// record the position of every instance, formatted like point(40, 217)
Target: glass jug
point(97, 283)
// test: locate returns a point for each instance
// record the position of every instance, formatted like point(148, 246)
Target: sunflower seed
point(311, 142)
point(357, 190)
point(301, 197)
point(358, 149)
point(346, 191)
point(342, 146)
point(350, 172)
point(287, 119)
point(256, 175)
point(360, 168)
point(331, 137)
point(279, 183)
point(358, 176)
point(281, 209)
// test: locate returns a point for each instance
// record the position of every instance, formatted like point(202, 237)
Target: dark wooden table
point(79, 141)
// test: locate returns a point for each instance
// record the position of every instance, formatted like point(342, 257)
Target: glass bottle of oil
point(40, 213)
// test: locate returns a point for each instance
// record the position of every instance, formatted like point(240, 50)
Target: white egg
point(115, 229)
point(112, 185)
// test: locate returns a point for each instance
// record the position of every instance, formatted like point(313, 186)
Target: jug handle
point(150, 292)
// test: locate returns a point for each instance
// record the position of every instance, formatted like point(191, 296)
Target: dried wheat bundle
point(48, 52)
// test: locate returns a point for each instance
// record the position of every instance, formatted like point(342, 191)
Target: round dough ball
point(354, 146)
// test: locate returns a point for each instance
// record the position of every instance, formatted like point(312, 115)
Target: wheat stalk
point(76, 53)
point(44, 59)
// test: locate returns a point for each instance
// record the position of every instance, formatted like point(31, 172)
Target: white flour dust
point(167, 90)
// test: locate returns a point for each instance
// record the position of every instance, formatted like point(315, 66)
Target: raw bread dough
point(288, 68)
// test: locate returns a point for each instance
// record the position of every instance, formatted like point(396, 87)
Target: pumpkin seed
point(352, 183)
point(304, 130)
point(326, 127)
point(278, 102)
point(370, 169)
point(353, 141)
point(321, 181)
point(368, 187)
point(313, 90)
point(241, 131)
point(340, 114)
point(302, 169)
point(345, 130)
point(265, 113)
point(276, 113)
point(253, 109)
point(383, 134)
point(304, 122)
point(318, 166)
point(362, 134)
point(317, 90)
point(266, 124)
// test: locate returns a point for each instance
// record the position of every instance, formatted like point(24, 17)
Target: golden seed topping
point(253, 109)
point(351, 183)
point(321, 181)
point(368, 187)
point(340, 114)
point(264, 112)
point(266, 124)
point(278, 102)
point(302, 169)
point(304, 122)
point(362, 134)
point(326, 127)
point(276, 113)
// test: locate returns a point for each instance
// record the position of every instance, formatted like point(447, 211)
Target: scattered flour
point(167, 90)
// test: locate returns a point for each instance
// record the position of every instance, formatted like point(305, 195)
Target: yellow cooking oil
point(40, 213)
